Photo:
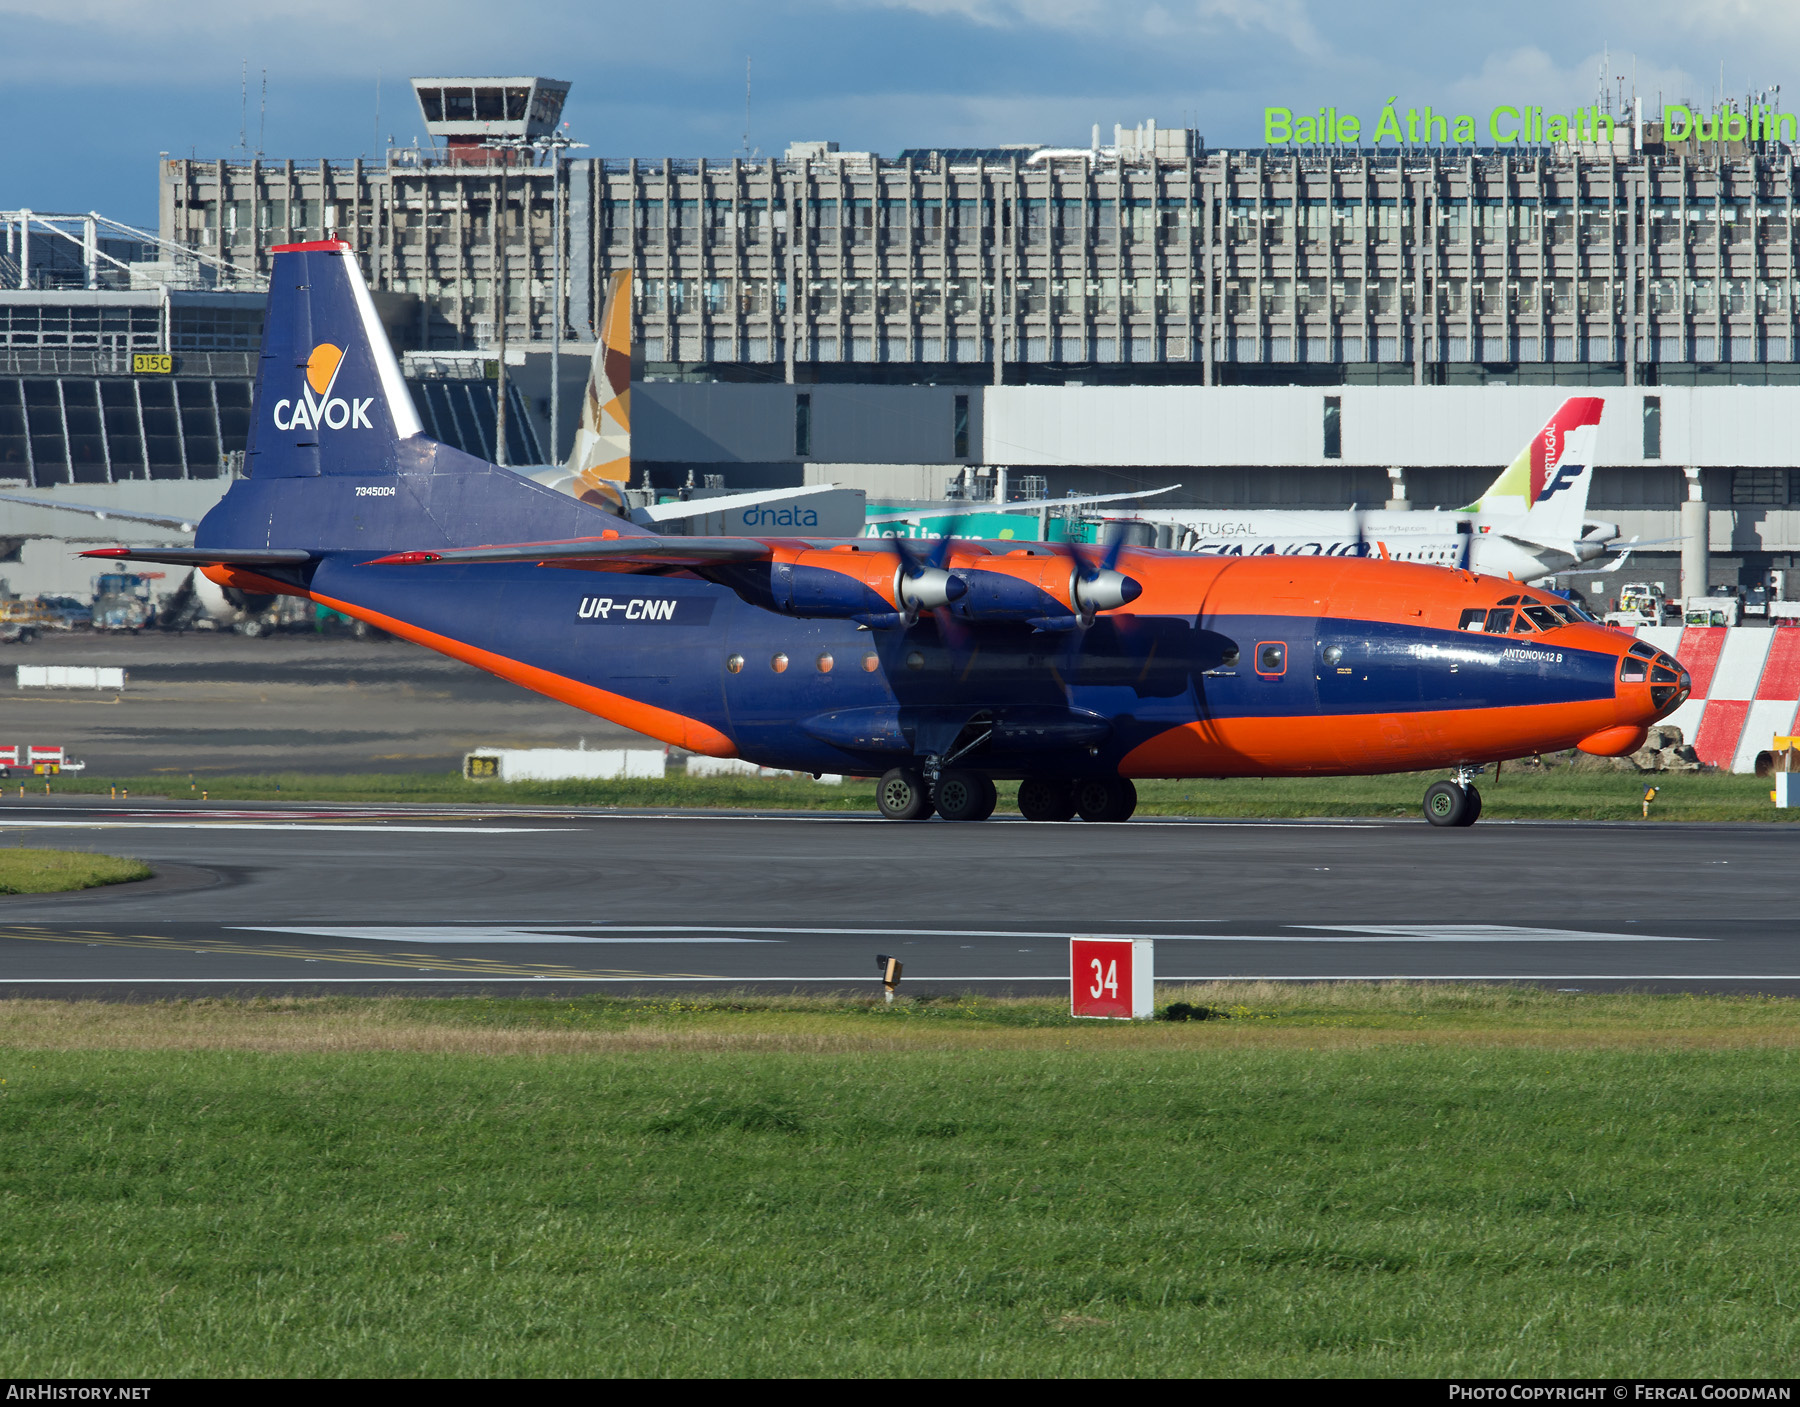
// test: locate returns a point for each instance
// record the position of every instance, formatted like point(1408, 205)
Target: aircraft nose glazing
point(1652, 681)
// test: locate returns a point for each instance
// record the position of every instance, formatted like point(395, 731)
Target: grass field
point(1334, 1180)
point(1550, 794)
point(55, 871)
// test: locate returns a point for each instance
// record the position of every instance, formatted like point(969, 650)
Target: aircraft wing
point(620, 552)
point(1030, 505)
point(124, 515)
point(207, 556)
point(725, 503)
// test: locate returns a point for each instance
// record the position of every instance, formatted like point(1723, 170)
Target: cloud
point(1282, 19)
point(1004, 14)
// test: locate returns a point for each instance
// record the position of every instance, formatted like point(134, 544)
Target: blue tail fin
point(337, 458)
point(330, 398)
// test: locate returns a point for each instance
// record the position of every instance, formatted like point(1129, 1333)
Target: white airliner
point(1530, 523)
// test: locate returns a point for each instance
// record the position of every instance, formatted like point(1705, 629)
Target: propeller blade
point(920, 581)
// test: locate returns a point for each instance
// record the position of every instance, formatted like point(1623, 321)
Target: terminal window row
point(59, 430)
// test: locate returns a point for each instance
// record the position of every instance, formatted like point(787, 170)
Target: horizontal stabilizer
point(208, 556)
point(124, 515)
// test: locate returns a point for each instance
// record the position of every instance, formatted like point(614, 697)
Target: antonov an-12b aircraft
point(937, 667)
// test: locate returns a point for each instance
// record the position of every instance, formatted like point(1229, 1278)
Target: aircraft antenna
point(749, 151)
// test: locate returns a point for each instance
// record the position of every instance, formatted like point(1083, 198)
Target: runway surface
point(217, 704)
point(263, 899)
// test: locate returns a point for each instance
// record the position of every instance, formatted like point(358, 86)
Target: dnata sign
point(317, 406)
point(786, 515)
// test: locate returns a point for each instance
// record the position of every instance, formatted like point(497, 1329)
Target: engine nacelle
point(994, 595)
point(821, 592)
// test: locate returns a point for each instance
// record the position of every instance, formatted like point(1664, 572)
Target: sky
point(92, 90)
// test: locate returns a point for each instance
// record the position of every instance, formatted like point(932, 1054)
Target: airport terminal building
point(1263, 327)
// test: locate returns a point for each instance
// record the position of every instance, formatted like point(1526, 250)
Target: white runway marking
point(425, 933)
point(1481, 933)
point(622, 933)
point(277, 826)
point(863, 980)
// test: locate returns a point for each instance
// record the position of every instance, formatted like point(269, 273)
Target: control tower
point(483, 121)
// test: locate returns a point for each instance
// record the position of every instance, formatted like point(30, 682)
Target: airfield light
point(1649, 796)
point(889, 967)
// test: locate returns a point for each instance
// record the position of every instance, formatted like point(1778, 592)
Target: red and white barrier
point(1746, 688)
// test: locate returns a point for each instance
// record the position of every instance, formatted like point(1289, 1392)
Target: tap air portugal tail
point(1547, 485)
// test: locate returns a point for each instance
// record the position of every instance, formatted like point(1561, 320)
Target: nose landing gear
point(1454, 802)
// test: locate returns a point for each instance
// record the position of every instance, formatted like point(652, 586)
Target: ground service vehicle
point(122, 601)
point(939, 666)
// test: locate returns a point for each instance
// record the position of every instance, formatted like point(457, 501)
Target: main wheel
point(1472, 813)
point(1046, 798)
point(1446, 804)
point(964, 796)
point(1105, 799)
point(901, 796)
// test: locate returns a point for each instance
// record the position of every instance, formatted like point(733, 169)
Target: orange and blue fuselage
point(1223, 667)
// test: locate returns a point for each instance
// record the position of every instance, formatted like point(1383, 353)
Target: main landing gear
point(904, 795)
point(1092, 798)
point(1454, 802)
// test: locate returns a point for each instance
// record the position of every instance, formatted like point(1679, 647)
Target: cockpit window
point(1522, 625)
point(1499, 620)
point(1541, 616)
point(1475, 619)
point(1564, 611)
point(1509, 600)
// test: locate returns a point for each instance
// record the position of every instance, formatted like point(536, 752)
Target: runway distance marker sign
point(1112, 978)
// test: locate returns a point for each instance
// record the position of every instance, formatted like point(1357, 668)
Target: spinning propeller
point(921, 582)
point(1099, 585)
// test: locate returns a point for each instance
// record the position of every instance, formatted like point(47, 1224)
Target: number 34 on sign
point(1112, 978)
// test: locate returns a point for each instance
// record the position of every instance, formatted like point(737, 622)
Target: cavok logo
point(638, 608)
point(317, 406)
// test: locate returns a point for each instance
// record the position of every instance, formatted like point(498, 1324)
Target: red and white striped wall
point(1746, 687)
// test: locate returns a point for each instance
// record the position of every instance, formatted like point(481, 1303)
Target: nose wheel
point(1453, 803)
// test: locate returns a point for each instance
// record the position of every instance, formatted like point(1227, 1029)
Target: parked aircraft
point(1530, 523)
point(1073, 669)
point(598, 469)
